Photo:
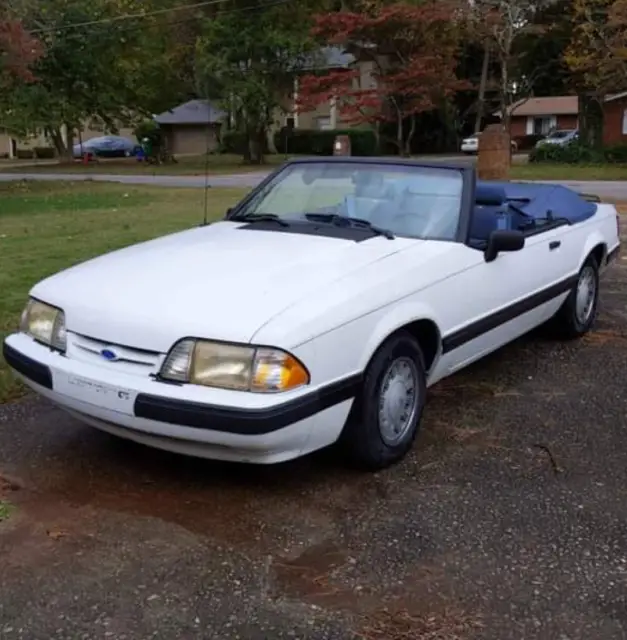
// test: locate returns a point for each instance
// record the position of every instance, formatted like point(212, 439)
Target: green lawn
point(45, 227)
point(186, 165)
point(568, 172)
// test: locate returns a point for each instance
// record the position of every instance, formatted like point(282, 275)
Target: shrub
point(527, 142)
point(616, 153)
point(573, 153)
point(44, 153)
point(148, 129)
point(25, 154)
point(320, 143)
point(232, 141)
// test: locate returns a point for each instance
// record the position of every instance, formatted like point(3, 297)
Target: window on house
point(624, 129)
point(543, 125)
point(323, 123)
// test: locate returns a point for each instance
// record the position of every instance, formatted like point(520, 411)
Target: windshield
point(560, 134)
point(412, 201)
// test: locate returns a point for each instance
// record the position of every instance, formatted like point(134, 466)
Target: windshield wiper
point(344, 221)
point(262, 217)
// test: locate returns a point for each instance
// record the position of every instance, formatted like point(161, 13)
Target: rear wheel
point(578, 313)
point(386, 414)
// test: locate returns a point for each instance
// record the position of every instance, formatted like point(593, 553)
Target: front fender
point(398, 316)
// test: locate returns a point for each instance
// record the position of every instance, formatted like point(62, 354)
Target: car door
point(493, 303)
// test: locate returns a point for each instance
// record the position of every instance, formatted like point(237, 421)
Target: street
point(605, 189)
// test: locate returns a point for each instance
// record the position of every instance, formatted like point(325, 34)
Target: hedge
point(577, 153)
point(45, 152)
point(236, 142)
point(528, 141)
point(320, 143)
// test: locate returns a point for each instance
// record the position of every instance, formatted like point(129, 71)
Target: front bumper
point(211, 423)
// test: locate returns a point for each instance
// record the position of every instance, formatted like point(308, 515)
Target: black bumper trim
point(245, 421)
point(29, 368)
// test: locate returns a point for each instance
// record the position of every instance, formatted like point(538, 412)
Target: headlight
point(44, 323)
point(231, 366)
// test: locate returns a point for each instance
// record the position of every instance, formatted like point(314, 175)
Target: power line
point(223, 12)
point(128, 16)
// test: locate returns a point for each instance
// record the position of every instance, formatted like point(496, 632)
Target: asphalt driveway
point(507, 521)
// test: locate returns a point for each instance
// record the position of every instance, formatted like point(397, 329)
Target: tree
point(94, 65)
point(18, 51)
point(597, 58)
point(247, 57)
point(503, 25)
point(413, 49)
point(539, 52)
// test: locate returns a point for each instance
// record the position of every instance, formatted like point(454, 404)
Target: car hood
point(218, 282)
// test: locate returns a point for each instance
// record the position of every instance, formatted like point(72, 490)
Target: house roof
point(192, 112)
point(616, 96)
point(330, 57)
point(549, 106)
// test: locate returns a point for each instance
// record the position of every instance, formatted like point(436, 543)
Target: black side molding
point(245, 421)
point(39, 373)
point(494, 320)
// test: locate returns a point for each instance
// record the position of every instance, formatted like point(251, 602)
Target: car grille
point(127, 359)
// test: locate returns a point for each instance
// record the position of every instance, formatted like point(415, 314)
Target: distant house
point(539, 116)
point(11, 146)
point(326, 116)
point(192, 127)
point(615, 119)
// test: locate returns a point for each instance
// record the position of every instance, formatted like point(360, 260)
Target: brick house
point(538, 116)
point(615, 119)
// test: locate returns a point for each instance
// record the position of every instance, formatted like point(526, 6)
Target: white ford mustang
point(318, 311)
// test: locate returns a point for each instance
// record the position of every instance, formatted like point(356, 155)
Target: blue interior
point(511, 205)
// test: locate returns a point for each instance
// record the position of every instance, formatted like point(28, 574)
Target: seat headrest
point(489, 195)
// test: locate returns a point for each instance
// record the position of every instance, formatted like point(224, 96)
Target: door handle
point(554, 245)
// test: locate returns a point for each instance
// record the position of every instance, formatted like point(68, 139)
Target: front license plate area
point(97, 393)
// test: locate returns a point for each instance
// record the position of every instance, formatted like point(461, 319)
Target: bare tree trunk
point(57, 141)
point(590, 120)
point(410, 136)
point(482, 86)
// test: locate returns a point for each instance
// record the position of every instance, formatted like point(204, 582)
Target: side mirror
point(228, 212)
point(503, 240)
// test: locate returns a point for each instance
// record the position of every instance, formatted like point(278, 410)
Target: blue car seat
point(489, 213)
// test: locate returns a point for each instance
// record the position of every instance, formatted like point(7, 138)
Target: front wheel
point(578, 313)
point(386, 414)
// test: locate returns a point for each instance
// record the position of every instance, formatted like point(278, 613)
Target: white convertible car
point(318, 311)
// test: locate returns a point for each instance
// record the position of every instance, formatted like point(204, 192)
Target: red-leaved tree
point(412, 51)
point(18, 51)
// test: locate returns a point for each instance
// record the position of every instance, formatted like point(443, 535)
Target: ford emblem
point(107, 354)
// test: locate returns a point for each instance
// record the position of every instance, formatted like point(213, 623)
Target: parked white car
point(470, 145)
point(319, 310)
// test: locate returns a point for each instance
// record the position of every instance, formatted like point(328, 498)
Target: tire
point(368, 439)
point(572, 321)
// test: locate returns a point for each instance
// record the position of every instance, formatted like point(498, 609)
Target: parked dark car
point(107, 147)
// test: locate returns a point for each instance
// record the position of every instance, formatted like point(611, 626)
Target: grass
point(6, 509)
point(568, 172)
point(229, 164)
point(186, 165)
point(46, 227)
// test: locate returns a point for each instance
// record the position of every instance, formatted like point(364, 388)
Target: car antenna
point(206, 195)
